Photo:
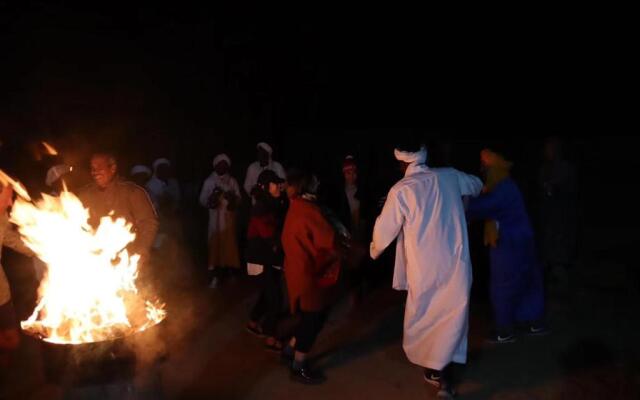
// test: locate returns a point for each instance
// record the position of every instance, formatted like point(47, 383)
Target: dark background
point(189, 82)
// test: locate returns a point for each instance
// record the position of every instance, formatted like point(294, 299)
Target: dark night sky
point(190, 82)
point(267, 69)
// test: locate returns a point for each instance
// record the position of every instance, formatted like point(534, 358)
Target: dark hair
point(504, 148)
point(299, 179)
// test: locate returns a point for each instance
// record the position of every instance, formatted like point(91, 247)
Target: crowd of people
point(307, 243)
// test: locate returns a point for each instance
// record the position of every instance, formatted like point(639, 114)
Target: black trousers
point(269, 304)
point(307, 330)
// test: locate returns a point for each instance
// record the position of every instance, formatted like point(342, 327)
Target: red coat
point(310, 252)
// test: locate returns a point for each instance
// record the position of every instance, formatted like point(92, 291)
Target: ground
point(591, 354)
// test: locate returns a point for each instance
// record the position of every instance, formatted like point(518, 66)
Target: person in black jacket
point(353, 206)
point(264, 250)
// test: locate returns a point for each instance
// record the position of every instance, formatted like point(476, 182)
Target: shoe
point(501, 338)
point(537, 330)
point(307, 376)
point(215, 282)
point(255, 330)
point(275, 347)
point(435, 379)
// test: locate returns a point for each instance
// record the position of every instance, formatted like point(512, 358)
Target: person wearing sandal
point(265, 250)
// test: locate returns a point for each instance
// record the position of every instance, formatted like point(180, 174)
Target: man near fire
point(109, 193)
point(9, 334)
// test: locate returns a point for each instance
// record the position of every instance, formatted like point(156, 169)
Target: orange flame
point(50, 149)
point(89, 292)
point(6, 180)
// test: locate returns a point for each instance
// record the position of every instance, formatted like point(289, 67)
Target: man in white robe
point(220, 194)
point(265, 161)
point(425, 211)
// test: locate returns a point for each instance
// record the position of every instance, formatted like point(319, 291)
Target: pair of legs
point(224, 258)
point(297, 349)
point(517, 293)
point(265, 313)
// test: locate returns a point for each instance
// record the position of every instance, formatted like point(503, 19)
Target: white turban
point(159, 162)
point(265, 147)
point(419, 157)
point(139, 169)
point(56, 172)
point(221, 157)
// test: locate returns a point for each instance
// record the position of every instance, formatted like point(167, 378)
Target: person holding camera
point(221, 194)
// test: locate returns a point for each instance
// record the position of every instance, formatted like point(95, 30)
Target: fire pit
point(105, 370)
point(88, 302)
point(89, 292)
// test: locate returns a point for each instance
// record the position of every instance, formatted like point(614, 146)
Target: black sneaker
point(434, 378)
point(307, 376)
point(444, 387)
point(537, 330)
point(501, 338)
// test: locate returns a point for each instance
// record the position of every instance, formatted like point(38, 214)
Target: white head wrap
point(265, 147)
point(56, 172)
point(221, 157)
point(159, 162)
point(139, 169)
point(419, 157)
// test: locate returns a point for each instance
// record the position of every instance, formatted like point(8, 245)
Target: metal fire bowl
point(91, 363)
point(122, 336)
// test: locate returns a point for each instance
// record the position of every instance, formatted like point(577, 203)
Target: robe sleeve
point(279, 170)
point(488, 205)
point(250, 180)
point(207, 189)
point(145, 221)
point(236, 188)
point(470, 185)
point(388, 224)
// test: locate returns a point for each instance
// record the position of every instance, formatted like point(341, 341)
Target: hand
point(214, 199)
point(230, 196)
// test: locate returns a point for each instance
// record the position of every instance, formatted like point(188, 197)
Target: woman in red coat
point(311, 268)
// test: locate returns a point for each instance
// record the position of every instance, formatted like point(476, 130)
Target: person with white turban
point(163, 188)
point(264, 161)
point(425, 212)
point(220, 194)
point(54, 177)
point(140, 175)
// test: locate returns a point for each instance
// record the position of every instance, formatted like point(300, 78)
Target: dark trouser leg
point(530, 307)
point(259, 309)
point(505, 288)
point(272, 291)
point(307, 331)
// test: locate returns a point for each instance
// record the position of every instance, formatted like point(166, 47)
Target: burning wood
point(88, 293)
